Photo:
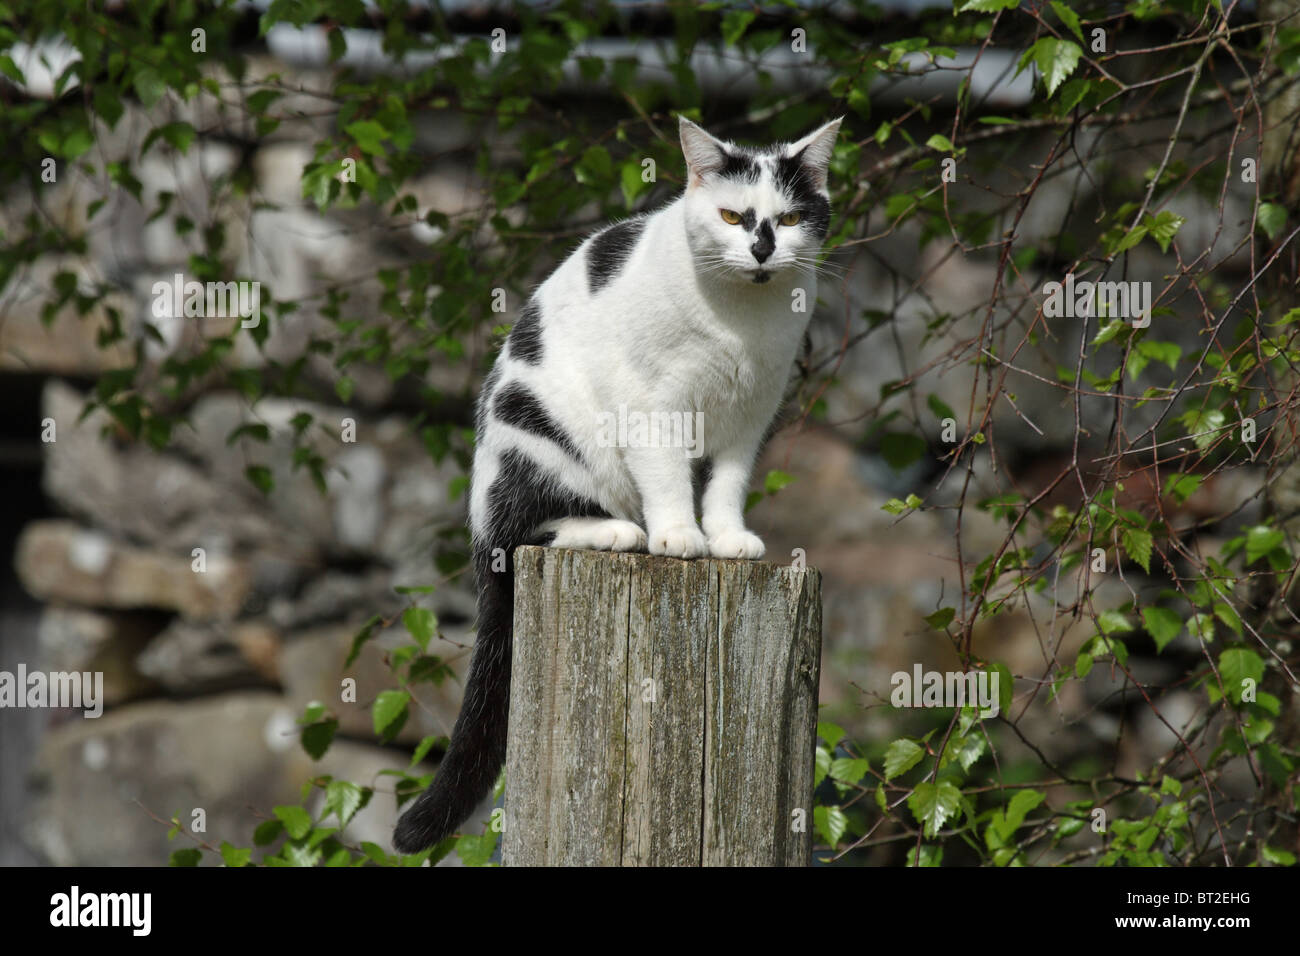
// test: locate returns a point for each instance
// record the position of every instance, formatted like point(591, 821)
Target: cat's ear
point(704, 154)
point(814, 151)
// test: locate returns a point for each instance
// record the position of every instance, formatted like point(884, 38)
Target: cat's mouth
point(761, 276)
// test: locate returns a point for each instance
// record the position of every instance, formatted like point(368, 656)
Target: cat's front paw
point(737, 544)
point(679, 541)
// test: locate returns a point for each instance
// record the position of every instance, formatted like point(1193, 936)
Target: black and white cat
point(696, 309)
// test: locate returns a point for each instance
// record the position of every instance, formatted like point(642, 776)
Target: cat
point(696, 309)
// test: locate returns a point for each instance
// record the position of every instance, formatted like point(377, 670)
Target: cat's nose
point(764, 242)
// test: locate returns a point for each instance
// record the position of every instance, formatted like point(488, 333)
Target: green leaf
point(1271, 218)
point(375, 853)
point(831, 824)
point(1069, 18)
point(1020, 806)
point(933, 804)
point(1180, 487)
point(901, 449)
point(423, 748)
point(775, 481)
point(234, 856)
point(901, 756)
point(594, 167)
point(316, 738)
point(1055, 59)
point(632, 183)
point(940, 409)
point(149, 86)
point(421, 624)
point(188, 857)
point(10, 69)
point(476, 850)
point(1113, 622)
point(302, 856)
point(965, 750)
point(1083, 665)
point(821, 766)
point(369, 136)
point(1277, 857)
point(77, 143)
point(1162, 624)
point(941, 618)
point(1131, 238)
point(313, 712)
point(344, 799)
point(1201, 626)
point(1260, 540)
point(831, 733)
point(928, 854)
point(940, 142)
point(1236, 665)
point(734, 25)
point(1163, 227)
point(1137, 544)
point(296, 820)
point(1006, 686)
point(988, 6)
point(389, 711)
point(1226, 614)
point(849, 769)
point(267, 831)
point(1108, 331)
point(261, 478)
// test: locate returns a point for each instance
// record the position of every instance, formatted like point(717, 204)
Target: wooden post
point(662, 712)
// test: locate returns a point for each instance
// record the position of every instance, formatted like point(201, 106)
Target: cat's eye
point(730, 217)
point(790, 219)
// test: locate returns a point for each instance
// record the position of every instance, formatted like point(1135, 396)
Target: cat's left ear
point(704, 153)
point(814, 151)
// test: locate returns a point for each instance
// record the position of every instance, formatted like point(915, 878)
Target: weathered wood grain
point(662, 712)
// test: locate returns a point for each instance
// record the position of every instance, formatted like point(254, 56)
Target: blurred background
point(478, 169)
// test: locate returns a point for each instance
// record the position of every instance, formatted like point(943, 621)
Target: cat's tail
point(478, 741)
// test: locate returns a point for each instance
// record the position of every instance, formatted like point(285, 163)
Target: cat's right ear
point(704, 154)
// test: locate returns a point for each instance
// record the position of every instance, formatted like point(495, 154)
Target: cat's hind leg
point(595, 534)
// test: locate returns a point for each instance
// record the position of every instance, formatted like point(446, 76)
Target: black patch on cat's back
point(515, 405)
point(526, 337)
point(607, 252)
point(485, 395)
point(520, 499)
point(795, 178)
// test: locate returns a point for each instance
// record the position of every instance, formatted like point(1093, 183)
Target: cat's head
point(752, 213)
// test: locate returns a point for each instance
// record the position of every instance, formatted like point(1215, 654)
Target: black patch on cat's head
point(607, 252)
point(798, 182)
point(748, 220)
point(740, 165)
point(526, 337)
point(515, 405)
